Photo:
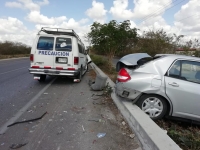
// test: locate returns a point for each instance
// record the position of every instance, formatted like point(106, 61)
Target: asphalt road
point(69, 106)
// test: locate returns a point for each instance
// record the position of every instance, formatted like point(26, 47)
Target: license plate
point(62, 60)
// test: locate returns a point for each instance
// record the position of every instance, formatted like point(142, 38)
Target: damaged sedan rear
point(162, 85)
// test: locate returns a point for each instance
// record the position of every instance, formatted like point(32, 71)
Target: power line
point(187, 17)
point(153, 14)
point(165, 6)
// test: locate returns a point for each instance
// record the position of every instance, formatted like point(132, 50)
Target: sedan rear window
point(45, 43)
point(63, 44)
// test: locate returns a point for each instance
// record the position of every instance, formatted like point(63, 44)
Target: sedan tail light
point(123, 75)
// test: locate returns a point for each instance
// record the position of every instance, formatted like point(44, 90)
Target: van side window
point(83, 50)
point(45, 43)
point(80, 48)
point(63, 44)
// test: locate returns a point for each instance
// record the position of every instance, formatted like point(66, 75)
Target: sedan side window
point(175, 69)
point(191, 71)
point(185, 70)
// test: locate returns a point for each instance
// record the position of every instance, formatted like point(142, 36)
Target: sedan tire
point(153, 105)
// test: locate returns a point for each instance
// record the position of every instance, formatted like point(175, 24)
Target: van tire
point(86, 69)
point(79, 76)
point(42, 78)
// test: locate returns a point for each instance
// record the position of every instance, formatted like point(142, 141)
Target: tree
point(155, 42)
point(112, 38)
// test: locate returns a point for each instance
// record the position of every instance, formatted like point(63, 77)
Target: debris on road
point(31, 120)
point(29, 111)
point(45, 93)
point(98, 103)
point(65, 111)
point(59, 132)
point(99, 84)
point(16, 146)
point(123, 123)
point(96, 120)
point(83, 128)
point(2, 144)
point(132, 136)
point(100, 135)
point(94, 141)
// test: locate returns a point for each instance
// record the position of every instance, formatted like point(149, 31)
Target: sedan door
point(182, 87)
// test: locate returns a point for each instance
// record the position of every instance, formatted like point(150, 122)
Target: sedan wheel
point(153, 105)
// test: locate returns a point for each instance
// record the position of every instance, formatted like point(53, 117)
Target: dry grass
point(13, 56)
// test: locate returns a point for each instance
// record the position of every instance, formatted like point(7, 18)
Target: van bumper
point(54, 72)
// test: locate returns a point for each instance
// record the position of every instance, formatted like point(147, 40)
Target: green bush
point(188, 139)
point(99, 60)
point(187, 136)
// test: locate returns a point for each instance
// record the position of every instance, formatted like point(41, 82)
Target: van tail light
point(35, 67)
point(76, 60)
point(59, 68)
point(123, 75)
point(31, 57)
point(71, 69)
point(47, 67)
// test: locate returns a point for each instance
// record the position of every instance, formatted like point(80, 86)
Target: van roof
point(60, 31)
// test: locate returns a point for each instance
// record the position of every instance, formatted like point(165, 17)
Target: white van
point(58, 52)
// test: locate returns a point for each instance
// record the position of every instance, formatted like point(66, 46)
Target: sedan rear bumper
point(126, 93)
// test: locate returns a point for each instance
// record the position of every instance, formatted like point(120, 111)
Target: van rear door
point(43, 55)
point(63, 53)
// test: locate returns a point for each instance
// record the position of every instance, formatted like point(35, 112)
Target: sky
point(20, 20)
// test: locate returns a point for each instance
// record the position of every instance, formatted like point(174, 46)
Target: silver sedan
point(163, 85)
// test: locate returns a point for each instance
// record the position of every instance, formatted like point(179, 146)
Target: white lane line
point(22, 110)
point(12, 70)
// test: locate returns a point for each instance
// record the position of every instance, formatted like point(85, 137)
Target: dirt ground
point(123, 136)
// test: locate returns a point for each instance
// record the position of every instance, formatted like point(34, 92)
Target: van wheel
point(42, 78)
point(79, 76)
point(86, 69)
point(154, 106)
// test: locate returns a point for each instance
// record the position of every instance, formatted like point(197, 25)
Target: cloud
point(97, 12)
point(40, 20)
point(11, 25)
point(187, 20)
point(36, 17)
point(27, 4)
point(120, 11)
point(188, 17)
point(145, 14)
point(13, 5)
point(141, 9)
point(13, 29)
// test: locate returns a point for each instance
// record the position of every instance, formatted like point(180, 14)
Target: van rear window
point(45, 43)
point(63, 44)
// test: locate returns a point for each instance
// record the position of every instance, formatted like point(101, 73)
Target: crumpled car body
point(169, 82)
